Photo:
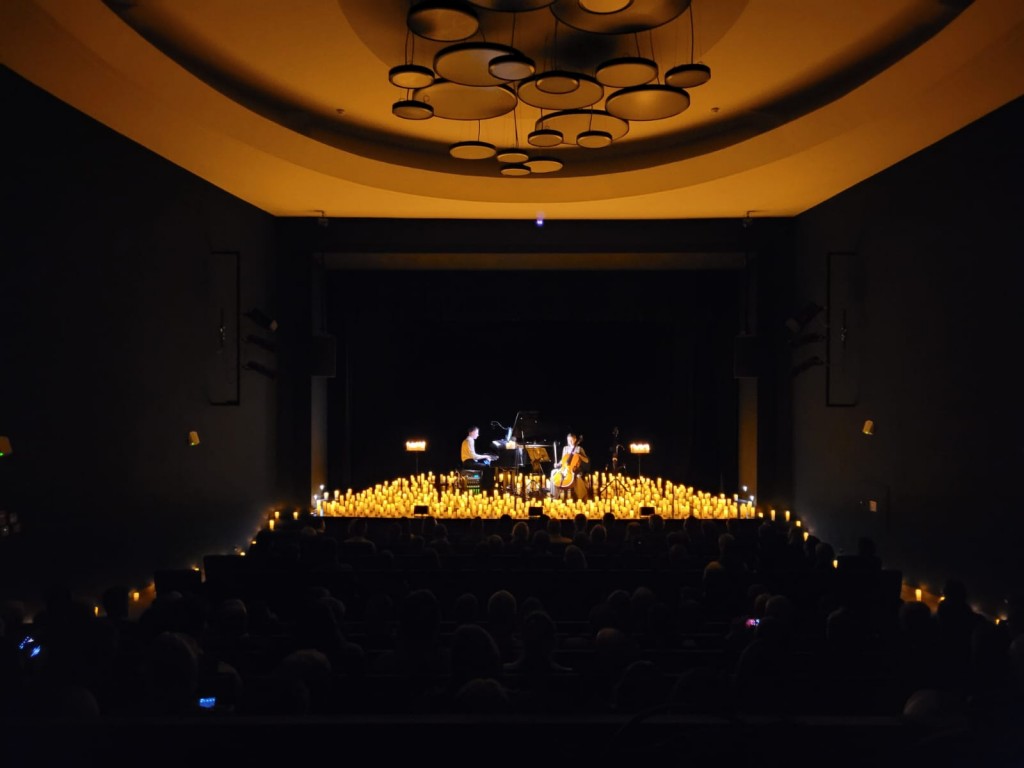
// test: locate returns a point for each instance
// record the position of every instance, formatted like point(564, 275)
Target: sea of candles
point(448, 496)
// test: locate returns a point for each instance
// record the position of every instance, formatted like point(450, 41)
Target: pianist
point(470, 458)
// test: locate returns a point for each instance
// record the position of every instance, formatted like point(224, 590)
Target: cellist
point(567, 475)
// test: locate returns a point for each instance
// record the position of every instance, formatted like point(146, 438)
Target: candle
point(917, 594)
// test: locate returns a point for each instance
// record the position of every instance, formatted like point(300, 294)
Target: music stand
point(537, 454)
point(616, 483)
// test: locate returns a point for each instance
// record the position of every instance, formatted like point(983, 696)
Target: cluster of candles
point(447, 496)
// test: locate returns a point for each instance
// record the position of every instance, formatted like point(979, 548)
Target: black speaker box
point(746, 357)
point(324, 353)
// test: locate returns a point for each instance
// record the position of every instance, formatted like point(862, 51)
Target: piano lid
point(528, 428)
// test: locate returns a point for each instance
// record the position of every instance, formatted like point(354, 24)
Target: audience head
point(574, 558)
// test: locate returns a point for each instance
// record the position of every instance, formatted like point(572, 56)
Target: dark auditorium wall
point(933, 291)
point(106, 343)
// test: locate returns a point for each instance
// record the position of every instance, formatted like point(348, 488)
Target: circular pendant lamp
point(512, 156)
point(443, 21)
point(647, 102)
point(471, 150)
point(410, 76)
point(515, 169)
point(626, 72)
point(412, 109)
point(545, 137)
point(688, 75)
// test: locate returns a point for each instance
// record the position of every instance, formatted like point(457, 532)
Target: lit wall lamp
point(639, 450)
point(868, 428)
point(416, 447)
point(193, 438)
point(5, 446)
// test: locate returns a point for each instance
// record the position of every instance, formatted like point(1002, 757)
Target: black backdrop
point(428, 353)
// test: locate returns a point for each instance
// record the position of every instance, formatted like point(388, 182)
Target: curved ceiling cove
point(498, 71)
point(583, 109)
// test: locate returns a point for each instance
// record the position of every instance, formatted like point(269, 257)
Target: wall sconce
point(868, 428)
point(193, 438)
point(639, 449)
point(5, 446)
point(416, 447)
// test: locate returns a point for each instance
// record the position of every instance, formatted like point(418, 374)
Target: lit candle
point(917, 594)
point(136, 595)
point(787, 515)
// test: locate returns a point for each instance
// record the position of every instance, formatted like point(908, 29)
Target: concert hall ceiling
point(287, 104)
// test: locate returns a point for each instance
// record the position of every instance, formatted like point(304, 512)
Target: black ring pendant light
point(587, 98)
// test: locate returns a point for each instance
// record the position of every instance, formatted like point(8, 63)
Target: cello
point(565, 475)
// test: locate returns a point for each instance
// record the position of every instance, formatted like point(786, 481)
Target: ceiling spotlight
point(512, 156)
point(515, 169)
point(410, 76)
point(444, 21)
point(604, 6)
point(471, 150)
point(545, 137)
point(688, 75)
point(411, 109)
point(594, 139)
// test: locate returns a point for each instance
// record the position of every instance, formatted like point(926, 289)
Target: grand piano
point(529, 445)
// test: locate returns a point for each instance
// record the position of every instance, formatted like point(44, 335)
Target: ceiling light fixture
point(604, 6)
point(577, 62)
point(443, 20)
point(472, 150)
point(689, 75)
point(412, 109)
